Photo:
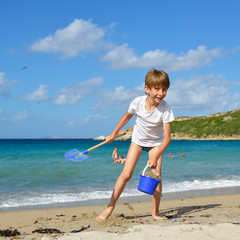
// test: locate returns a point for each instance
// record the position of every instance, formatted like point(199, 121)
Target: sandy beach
point(208, 217)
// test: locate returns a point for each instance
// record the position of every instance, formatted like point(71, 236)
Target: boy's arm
point(166, 141)
point(123, 121)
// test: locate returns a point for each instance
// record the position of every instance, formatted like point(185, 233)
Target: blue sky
point(70, 68)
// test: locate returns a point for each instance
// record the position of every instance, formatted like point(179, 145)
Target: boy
point(115, 154)
point(151, 132)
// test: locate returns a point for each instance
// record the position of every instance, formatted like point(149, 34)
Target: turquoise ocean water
point(34, 173)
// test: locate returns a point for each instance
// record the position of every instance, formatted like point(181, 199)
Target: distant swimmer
point(182, 155)
point(121, 159)
point(115, 154)
point(170, 155)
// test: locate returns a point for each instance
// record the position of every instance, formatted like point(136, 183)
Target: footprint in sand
point(129, 206)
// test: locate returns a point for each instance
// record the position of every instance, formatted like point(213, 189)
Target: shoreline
point(202, 216)
point(132, 199)
point(127, 138)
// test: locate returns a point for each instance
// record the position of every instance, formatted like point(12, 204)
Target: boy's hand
point(110, 138)
point(152, 164)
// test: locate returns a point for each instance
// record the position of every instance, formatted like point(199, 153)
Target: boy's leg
point(158, 192)
point(133, 155)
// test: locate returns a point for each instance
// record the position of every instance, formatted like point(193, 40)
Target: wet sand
point(208, 217)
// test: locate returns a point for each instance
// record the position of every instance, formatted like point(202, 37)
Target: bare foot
point(157, 216)
point(105, 214)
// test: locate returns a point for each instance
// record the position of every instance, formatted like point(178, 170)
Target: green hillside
point(220, 125)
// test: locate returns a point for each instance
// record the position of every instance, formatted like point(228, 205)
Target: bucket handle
point(144, 170)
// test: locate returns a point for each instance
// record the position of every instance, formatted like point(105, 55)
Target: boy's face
point(157, 93)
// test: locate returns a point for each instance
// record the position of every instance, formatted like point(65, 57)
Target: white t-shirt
point(148, 128)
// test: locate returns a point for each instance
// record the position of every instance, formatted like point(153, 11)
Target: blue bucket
point(147, 184)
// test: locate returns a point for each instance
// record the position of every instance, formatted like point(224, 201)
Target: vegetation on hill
point(217, 126)
point(220, 125)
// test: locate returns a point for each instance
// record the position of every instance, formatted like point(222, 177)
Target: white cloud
point(94, 118)
point(87, 119)
point(79, 90)
point(199, 95)
point(78, 37)
point(5, 83)
point(19, 117)
point(202, 94)
point(119, 98)
point(40, 94)
point(236, 49)
point(236, 101)
point(14, 118)
point(70, 122)
point(236, 83)
point(82, 36)
point(122, 57)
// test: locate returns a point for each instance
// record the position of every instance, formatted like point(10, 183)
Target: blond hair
point(157, 78)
